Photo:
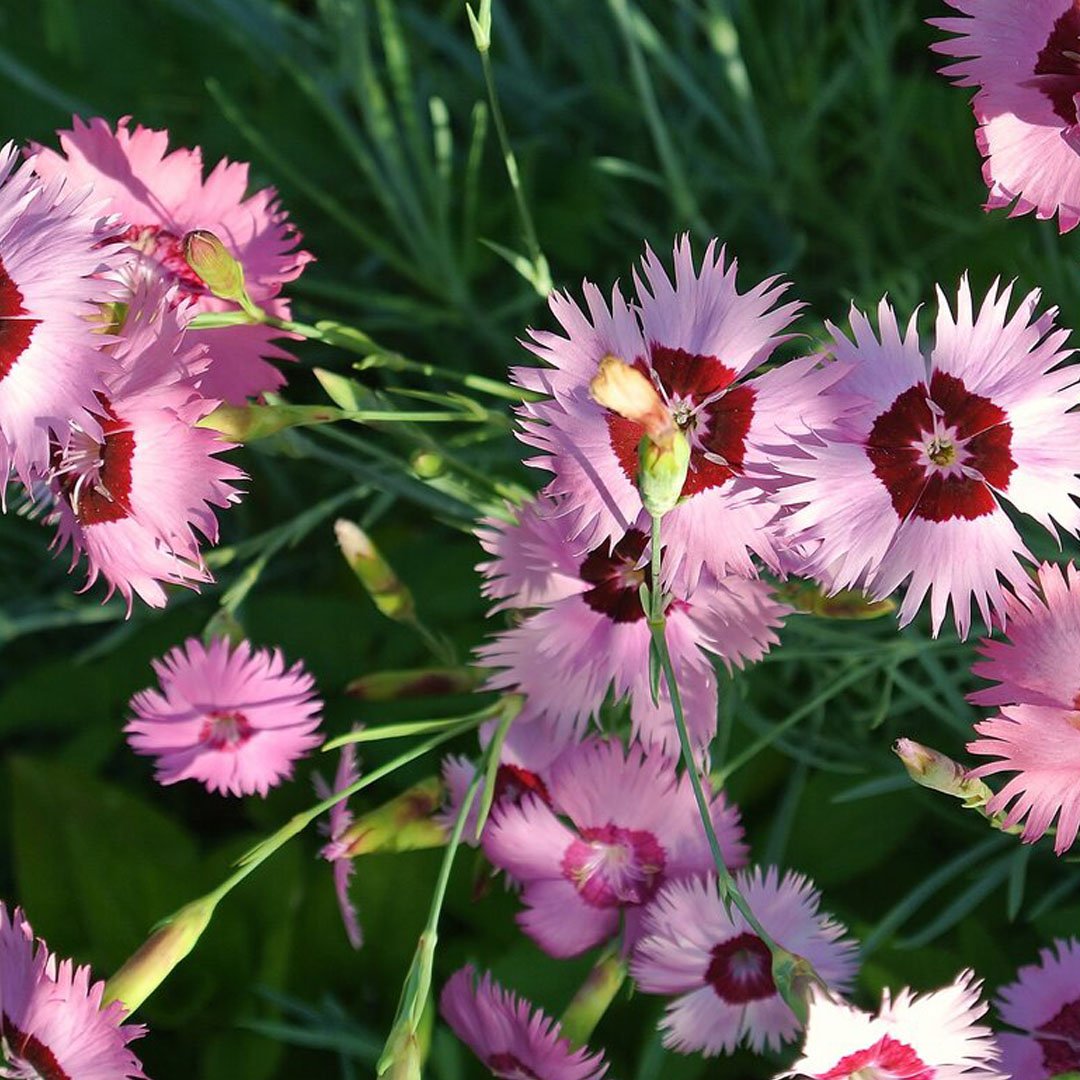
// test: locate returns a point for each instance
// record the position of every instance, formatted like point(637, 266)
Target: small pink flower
point(1022, 58)
point(700, 341)
point(52, 1024)
point(913, 487)
point(929, 1037)
point(619, 825)
point(51, 368)
point(235, 719)
point(512, 1039)
point(1044, 1003)
point(722, 971)
point(335, 851)
point(160, 196)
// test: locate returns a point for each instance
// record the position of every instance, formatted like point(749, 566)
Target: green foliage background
point(815, 138)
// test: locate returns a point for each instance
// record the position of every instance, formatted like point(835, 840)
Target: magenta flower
point(1035, 735)
point(722, 971)
point(514, 1040)
point(335, 850)
point(235, 719)
point(52, 1024)
point(1044, 1003)
point(698, 340)
point(919, 1037)
point(912, 489)
point(135, 493)
point(1023, 60)
point(161, 196)
point(50, 365)
point(593, 631)
point(619, 825)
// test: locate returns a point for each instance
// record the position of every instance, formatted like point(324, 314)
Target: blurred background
point(816, 139)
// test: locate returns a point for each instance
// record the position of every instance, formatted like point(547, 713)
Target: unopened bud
point(936, 771)
point(149, 966)
point(212, 261)
point(415, 682)
point(402, 824)
point(588, 1005)
point(662, 473)
point(625, 390)
point(390, 594)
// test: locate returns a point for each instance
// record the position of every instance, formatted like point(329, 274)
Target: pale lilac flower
point(160, 196)
point(514, 1040)
point(52, 1024)
point(594, 632)
point(918, 1037)
point(619, 826)
point(1023, 60)
point(912, 488)
point(51, 368)
point(722, 971)
point(1044, 1003)
point(233, 718)
point(335, 850)
point(699, 341)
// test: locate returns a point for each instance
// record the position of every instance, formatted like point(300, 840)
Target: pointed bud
point(402, 824)
point(934, 770)
point(625, 390)
point(212, 261)
point(662, 473)
point(417, 682)
point(390, 594)
point(149, 966)
point(588, 1005)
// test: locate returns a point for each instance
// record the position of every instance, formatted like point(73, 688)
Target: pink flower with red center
point(135, 492)
point(620, 824)
point(160, 196)
point(335, 850)
point(1044, 1003)
point(51, 368)
point(593, 630)
point(1036, 735)
point(698, 341)
point(1024, 61)
point(52, 1024)
point(721, 971)
point(514, 1040)
point(916, 1037)
point(912, 488)
point(233, 718)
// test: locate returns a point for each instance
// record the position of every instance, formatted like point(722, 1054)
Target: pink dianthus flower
point(52, 1023)
point(693, 947)
point(617, 825)
point(233, 718)
point(511, 1038)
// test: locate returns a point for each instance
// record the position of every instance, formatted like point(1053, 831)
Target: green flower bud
point(662, 472)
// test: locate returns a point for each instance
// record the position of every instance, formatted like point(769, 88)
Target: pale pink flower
point(1044, 1003)
point(335, 850)
point(514, 1040)
point(699, 341)
point(912, 488)
point(233, 718)
point(52, 1024)
point(593, 631)
point(51, 368)
point(721, 970)
point(619, 825)
point(160, 196)
point(135, 493)
point(1023, 60)
point(918, 1037)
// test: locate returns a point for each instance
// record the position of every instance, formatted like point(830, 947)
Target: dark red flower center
point(96, 476)
point(222, 730)
point(167, 250)
point(940, 450)
point(887, 1059)
point(32, 1059)
point(508, 1067)
point(1061, 1054)
point(513, 783)
point(15, 329)
point(1057, 68)
point(614, 867)
point(714, 416)
point(741, 970)
point(616, 578)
